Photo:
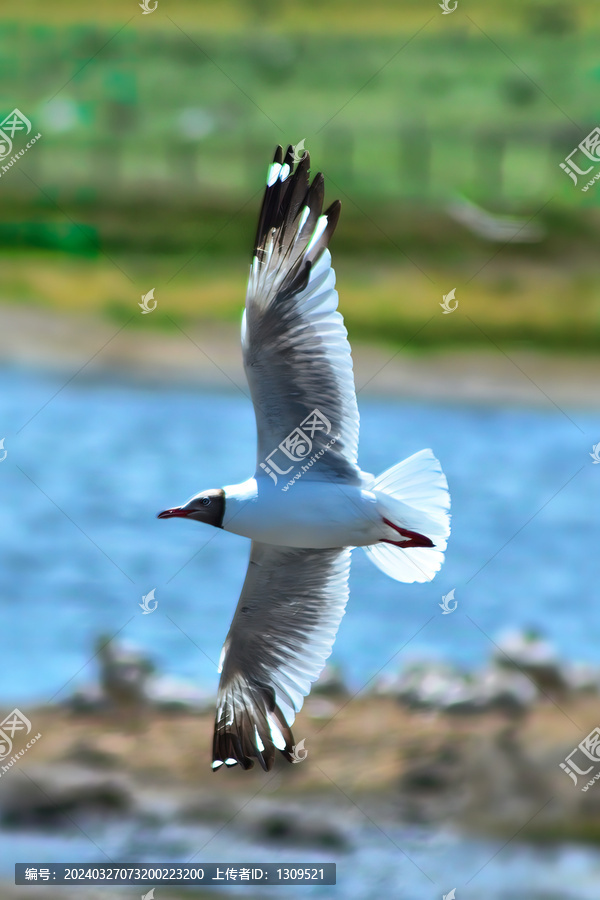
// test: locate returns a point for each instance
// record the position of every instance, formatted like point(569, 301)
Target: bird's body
point(322, 515)
point(308, 503)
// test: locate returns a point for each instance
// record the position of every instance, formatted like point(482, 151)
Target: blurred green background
point(157, 131)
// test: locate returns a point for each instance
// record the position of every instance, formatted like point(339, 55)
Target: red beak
point(176, 512)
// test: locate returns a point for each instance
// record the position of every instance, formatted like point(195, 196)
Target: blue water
point(82, 482)
point(388, 861)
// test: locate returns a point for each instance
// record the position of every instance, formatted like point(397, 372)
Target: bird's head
point(207, 506)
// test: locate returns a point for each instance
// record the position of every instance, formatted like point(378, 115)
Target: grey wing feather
point(282, 632)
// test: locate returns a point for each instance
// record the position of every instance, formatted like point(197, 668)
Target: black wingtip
point(288, 159)
point(333, 216)
point(333, 212)
point(243, 733)
point(284, 222)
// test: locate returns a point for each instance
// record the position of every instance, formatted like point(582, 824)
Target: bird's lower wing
point(282, 632)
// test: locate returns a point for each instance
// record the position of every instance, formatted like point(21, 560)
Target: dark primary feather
point(237, 741)
point(281, 209)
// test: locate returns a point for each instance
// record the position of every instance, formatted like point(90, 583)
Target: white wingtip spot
point(230, 761)
point(276, 735)
point(224, 648)
point(259, 743)
point(217, 764)
point(273, 174)
point(285, 171)
point(303, 218)
point(319, 229)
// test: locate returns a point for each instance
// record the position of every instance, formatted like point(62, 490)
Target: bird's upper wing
point(296, 352)
point(282, 632)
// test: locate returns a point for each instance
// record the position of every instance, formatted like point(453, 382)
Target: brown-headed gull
point(308, 503)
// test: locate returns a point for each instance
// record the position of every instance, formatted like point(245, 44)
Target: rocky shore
point(490, 753)
point(397, 753)
point(422, 766)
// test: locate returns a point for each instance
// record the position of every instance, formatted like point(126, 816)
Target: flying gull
point(308, 503)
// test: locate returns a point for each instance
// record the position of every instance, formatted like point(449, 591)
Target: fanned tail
point(414, 495)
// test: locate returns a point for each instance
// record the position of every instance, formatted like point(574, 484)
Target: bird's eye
point(206, 501)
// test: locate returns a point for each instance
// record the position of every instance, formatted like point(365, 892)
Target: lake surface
point(406, 864)
point(82, 482)
point(80, 488)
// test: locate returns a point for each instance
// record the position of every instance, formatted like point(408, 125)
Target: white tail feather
point(413, 494)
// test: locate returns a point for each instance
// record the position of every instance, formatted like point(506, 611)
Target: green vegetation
point(156, 133)
point(386, 301)
point(348, 16)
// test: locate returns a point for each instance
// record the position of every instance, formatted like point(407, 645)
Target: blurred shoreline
point(486, 773)
point(209, 355)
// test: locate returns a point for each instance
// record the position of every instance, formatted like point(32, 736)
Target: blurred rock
point(207, 808)
point(124, 675)
point(524, 668)
point(86, 754)
point(505, 690)
point(436, 785)
point(429, 686)
point(129, 686)
point(534, 656)
point(488, 780)
point(53, 793)
point(174, 695)
point(87, 699)
point(582, 677)
point(297, 825)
